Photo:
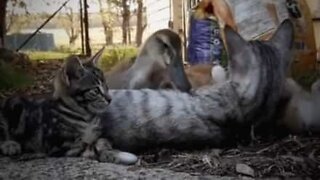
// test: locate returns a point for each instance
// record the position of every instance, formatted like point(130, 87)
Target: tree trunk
point(108, 31)
point(3, 8)
point(109, 36)
point(140, 26)
point(129, 34)
point(71, 29)
point(86, 29)
point(81, 26)
point(72, 40)
point(125, 21)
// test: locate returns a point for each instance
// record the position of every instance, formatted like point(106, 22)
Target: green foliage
point(306, 79)
point(115, 55)
point(12, 78)
point(46, 55)
point(67, 49)
point(224, 59)
point(112, 55)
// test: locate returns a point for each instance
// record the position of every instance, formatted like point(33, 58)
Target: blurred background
point(62, 27)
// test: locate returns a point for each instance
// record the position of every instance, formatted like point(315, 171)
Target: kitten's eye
point(94, 91)
point(98, 73)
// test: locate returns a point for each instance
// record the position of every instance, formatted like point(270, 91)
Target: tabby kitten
point(68, 123)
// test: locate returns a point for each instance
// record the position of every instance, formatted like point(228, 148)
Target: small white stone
point(245, 169)
point(126, 158)
point(218, 74)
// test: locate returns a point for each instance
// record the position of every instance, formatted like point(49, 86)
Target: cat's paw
point(10, 148)
point(89, 153)
point(118, 157)
point(106, 156)
point(73, 152)
point(102, 144)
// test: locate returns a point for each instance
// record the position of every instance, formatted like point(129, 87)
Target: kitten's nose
point(108, 98)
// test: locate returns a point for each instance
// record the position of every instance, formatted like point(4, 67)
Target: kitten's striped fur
point(212, 116)
point(68, 123)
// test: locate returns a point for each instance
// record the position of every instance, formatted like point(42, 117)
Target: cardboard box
point(258, 19)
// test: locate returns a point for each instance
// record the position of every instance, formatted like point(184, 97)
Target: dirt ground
point(292, 156)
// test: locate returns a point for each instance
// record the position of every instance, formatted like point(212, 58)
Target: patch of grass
point(224, 59)
point(46, 55)
point(114, 55)
point(67, 49)
point(12, 78)
point(306, 79)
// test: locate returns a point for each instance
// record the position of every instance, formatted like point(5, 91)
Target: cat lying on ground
point(67, 124)
point(212, 116)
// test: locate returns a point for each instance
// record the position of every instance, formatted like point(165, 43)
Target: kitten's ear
point(235, 43)
point(238, 53)
point(284, 35)
point(95, 58)
point(72, 69)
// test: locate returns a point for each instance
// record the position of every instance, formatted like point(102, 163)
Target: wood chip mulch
point(292, 156)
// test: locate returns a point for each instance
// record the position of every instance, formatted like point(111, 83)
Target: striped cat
point(212, 116)
point(67, 124)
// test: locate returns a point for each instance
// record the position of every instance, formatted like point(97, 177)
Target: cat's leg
point(92, 151)
point(80, 148)
point(32, 156)
point(105, 153)
point(8, 147)
point(75, 149)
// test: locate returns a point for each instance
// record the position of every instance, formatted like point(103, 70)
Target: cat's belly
point(173, 133)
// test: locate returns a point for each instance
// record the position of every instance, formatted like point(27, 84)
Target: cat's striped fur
point(68, 123)
point(212, 116)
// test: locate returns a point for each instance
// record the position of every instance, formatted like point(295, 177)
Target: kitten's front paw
point(10, 148)
point(73, 152)
point(102, 144)
point(117, 157)
point(88, 153)
point(107, 156)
